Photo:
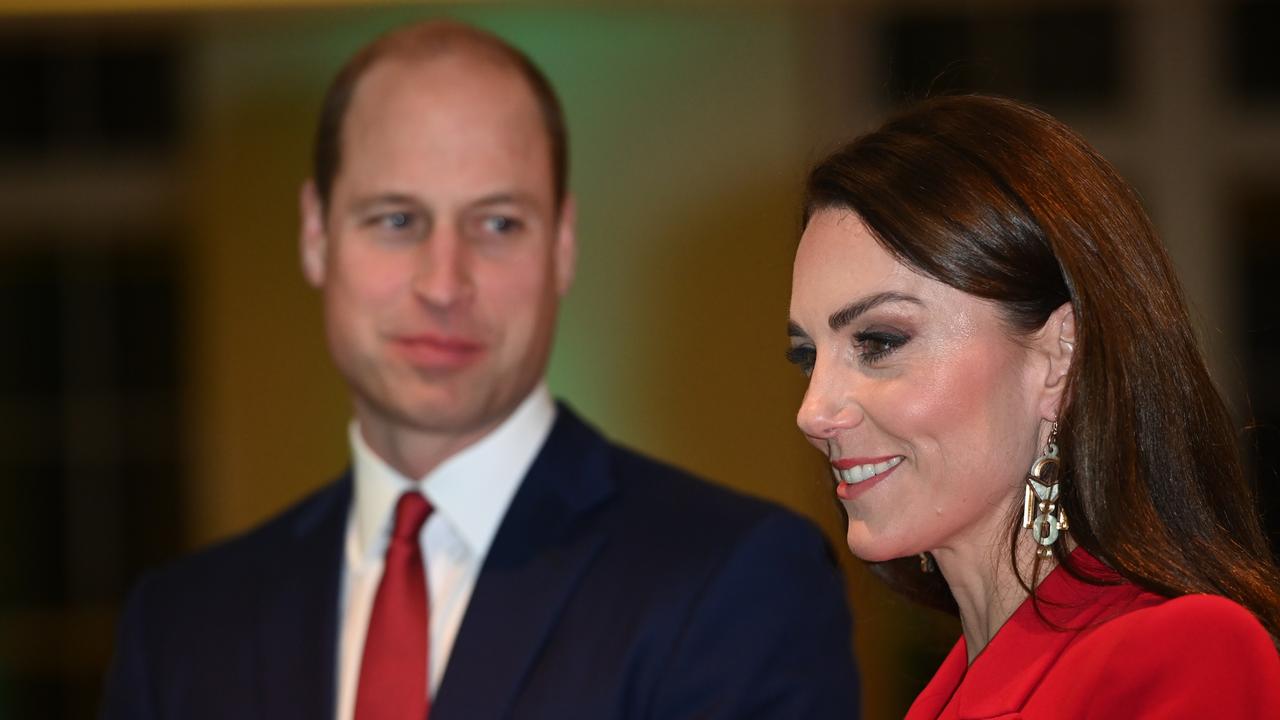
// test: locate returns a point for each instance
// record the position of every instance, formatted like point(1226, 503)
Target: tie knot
point(411, 512)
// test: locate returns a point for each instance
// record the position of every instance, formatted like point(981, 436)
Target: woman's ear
point(1057, 340)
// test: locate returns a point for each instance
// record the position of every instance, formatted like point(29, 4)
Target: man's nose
point(830, 404)
point(443, 274)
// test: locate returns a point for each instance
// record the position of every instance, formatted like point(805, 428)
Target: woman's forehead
point(838, 254)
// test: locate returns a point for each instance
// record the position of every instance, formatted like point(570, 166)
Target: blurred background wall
point(163, 379)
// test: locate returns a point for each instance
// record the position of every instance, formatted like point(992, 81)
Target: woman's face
point(919, 396)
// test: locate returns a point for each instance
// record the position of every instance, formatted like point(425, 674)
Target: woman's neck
point(985, 586)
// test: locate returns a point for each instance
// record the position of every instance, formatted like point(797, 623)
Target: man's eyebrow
point(847, 314)
point(505, 198)
point(372, 201)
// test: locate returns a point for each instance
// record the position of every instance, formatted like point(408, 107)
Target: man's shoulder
point(681, 554)
point(191, 631)
point(675, 507)
point(679, 492)
point(669, 495)
point(236, 560)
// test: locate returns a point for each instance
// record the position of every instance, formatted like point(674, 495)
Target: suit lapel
point(299, 611)
point(538, 556)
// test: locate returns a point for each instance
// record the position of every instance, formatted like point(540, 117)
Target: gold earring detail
point(926, 563)
point(1041, 512)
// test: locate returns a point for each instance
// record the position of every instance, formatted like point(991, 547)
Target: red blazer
point(1122, 653)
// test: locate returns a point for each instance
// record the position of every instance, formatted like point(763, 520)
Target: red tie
point(393, 673)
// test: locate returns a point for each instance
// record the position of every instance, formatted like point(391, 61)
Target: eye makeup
point(875, 345)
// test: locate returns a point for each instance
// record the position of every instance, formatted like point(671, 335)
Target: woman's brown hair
point(1004, 202)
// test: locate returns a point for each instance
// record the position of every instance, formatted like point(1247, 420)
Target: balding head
point(424, 42)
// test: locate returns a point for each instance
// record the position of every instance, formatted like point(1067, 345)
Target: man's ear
point(313, 238)
point(566, 244)
point(1057, 340)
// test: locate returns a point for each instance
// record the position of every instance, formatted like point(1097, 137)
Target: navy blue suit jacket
point(616, 587)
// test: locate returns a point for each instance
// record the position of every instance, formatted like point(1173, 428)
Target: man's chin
point(444, 414)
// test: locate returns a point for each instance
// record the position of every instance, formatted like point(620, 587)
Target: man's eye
point(501, 224)
point(397, 220)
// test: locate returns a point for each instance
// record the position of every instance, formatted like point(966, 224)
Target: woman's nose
point(829, 406)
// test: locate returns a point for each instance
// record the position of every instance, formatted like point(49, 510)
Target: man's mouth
point(437, 351)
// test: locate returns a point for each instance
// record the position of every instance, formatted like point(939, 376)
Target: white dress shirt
point(470, 493)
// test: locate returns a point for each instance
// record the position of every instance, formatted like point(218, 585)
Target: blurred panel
point(92, 462)
point(1255, 219)
point(1060, 54)
point(1254, 53)
point(82, 90)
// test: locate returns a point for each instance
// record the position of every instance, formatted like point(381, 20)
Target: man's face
point(441, 254)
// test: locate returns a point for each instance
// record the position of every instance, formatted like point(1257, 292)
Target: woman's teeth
point(858, 473)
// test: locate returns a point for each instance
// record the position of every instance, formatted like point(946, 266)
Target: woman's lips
point(437, 352)
point(855, 476)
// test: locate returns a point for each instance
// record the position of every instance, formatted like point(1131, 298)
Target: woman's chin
point(872, 549)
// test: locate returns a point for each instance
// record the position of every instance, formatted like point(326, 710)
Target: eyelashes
point(802, 356)
point(875, 345)
point(872, 346)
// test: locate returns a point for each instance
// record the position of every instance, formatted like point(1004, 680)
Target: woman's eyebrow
point(847, 314)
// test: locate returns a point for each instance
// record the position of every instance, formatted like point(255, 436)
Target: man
point(489, 555)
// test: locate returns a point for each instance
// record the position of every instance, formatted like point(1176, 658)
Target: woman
point(1004, 378)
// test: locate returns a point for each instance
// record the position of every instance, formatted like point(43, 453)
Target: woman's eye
point(802, 357)
point(874, 345)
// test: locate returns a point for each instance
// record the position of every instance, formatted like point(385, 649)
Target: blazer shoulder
point(189, 634)
point(225, 565)
point(640, 484)
point(688, 503)
point(727, 561)
point(1189, 621)
point(1190, 656)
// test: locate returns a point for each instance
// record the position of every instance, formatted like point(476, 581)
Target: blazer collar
point(1015, 662)
point(298, 621)
point(543, 547)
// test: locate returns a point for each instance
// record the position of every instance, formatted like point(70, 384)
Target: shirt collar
point(470, 490)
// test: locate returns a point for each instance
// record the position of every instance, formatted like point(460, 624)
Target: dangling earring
point(1041, 513)
point(926, 563)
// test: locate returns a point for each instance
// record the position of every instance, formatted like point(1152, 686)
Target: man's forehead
point(446, 93)
point(444, 128)
point(439, 71)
